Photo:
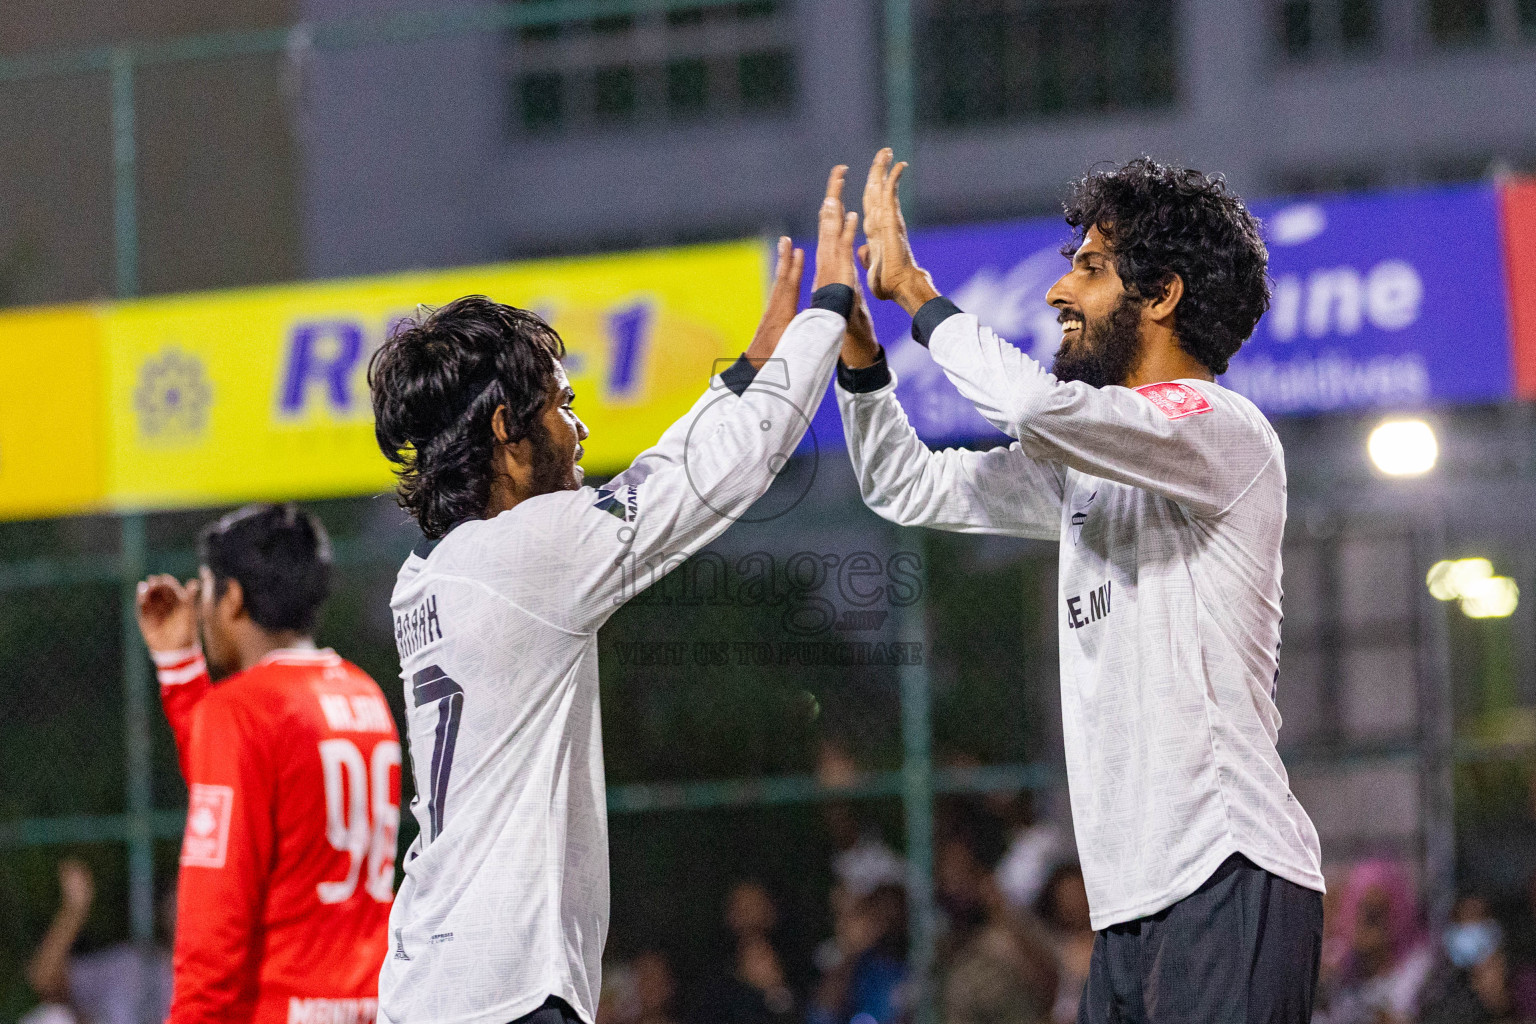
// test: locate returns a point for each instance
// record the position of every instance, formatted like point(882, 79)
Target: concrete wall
point(409, 160)
point(218, 186)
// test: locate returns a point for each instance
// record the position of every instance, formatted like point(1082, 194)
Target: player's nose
point(1058, 295)
point(582, 433)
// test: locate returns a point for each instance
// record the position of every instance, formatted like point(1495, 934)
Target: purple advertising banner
point(1386, 301)
point(1389, 301)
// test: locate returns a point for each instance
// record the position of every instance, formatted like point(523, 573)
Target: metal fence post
point(139, 795)
point(125, 224)
point(1437, 763)
point(900, 88)
point(917, 796)
point(133, 556)
point(916, 717)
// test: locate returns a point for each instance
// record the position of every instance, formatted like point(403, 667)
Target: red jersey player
point(293, 768)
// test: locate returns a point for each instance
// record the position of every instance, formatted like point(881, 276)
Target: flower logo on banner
point(173, 395)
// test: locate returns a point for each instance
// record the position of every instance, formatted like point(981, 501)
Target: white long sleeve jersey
point(1169, 504)
point(505, 897)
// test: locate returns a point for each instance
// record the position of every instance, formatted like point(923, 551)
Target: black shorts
point(554, 1011)
point(1242, 949)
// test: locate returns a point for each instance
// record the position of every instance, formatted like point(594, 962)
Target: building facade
point(719, 122)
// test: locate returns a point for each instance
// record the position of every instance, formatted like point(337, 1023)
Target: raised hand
point(836, 230)
point(167, 611)
point(887, 254)
point(783, 302)
point(76, 885)
point(860, 347)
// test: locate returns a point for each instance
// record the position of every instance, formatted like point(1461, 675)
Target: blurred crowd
point(1013, 931)
point(1014, 939)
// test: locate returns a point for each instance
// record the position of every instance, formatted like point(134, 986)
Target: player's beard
point(1108, 350)
point(553, 469)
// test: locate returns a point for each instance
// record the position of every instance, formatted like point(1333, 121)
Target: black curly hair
point(436, 384)
point(1159, 220)
point(281, 557)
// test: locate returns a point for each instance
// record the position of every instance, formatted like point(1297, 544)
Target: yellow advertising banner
point(262, 393)
point(50, 412)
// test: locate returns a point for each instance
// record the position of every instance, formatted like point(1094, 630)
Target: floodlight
point(1403, 447)
point(1494, 598)
point(1450, 580)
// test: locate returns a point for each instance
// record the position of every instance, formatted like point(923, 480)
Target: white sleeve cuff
point(170, 659)
point(172, 668)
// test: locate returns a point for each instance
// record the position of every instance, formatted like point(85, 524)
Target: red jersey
point(288, 859)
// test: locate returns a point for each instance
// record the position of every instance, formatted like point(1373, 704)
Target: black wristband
point(739, 375)
point(835, 297)
point(927, 319)
point(864, 379)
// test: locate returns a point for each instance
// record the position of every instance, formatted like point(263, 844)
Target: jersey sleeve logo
point(623, 504)
point(1175, 401)
point(206, 840)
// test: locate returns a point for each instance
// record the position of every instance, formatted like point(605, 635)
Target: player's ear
point(1166, 300)
point(500, 426)
point(518, 453)
point(231, 603)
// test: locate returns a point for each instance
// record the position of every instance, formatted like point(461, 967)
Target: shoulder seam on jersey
point(507, 600)
point(1243, 493)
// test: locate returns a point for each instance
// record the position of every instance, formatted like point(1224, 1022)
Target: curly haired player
point(1167, 495)
point(504, 909)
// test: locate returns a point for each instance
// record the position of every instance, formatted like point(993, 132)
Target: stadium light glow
point(1494, 598)
point(1403, 447)
point(1471, 583)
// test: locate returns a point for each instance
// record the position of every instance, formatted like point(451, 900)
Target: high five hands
point(887, 254)
point(836, 230)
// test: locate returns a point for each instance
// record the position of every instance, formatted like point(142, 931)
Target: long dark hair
point(1159, 220)
point(436, 384)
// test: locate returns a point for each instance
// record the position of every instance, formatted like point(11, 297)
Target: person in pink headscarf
point(1379, 958)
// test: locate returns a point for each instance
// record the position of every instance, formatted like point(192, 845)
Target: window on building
point(1463, 167)
point(1324, 180)
point(987, 61)
point(1322, 29)
point(686, 64)
point(1459, 22)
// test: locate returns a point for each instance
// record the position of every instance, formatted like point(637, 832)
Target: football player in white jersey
point(503, 912)
point(1166, 493)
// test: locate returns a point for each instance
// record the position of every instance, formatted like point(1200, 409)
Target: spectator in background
point(756, 991)
point(1471, 985)
point(862, 860)
point(655, 988)
point(616, 1002)
point(995, 965)
point(864, 969)
point(1035, 847)
point(121, 984)
point(640, 992)
point(1380, 971)
point(1063, 907)
point(1523, 955)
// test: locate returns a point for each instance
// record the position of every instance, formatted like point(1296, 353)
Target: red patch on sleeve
point(206, 840)
point(1175, 400)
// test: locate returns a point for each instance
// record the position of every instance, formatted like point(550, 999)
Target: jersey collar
point(300, 656)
